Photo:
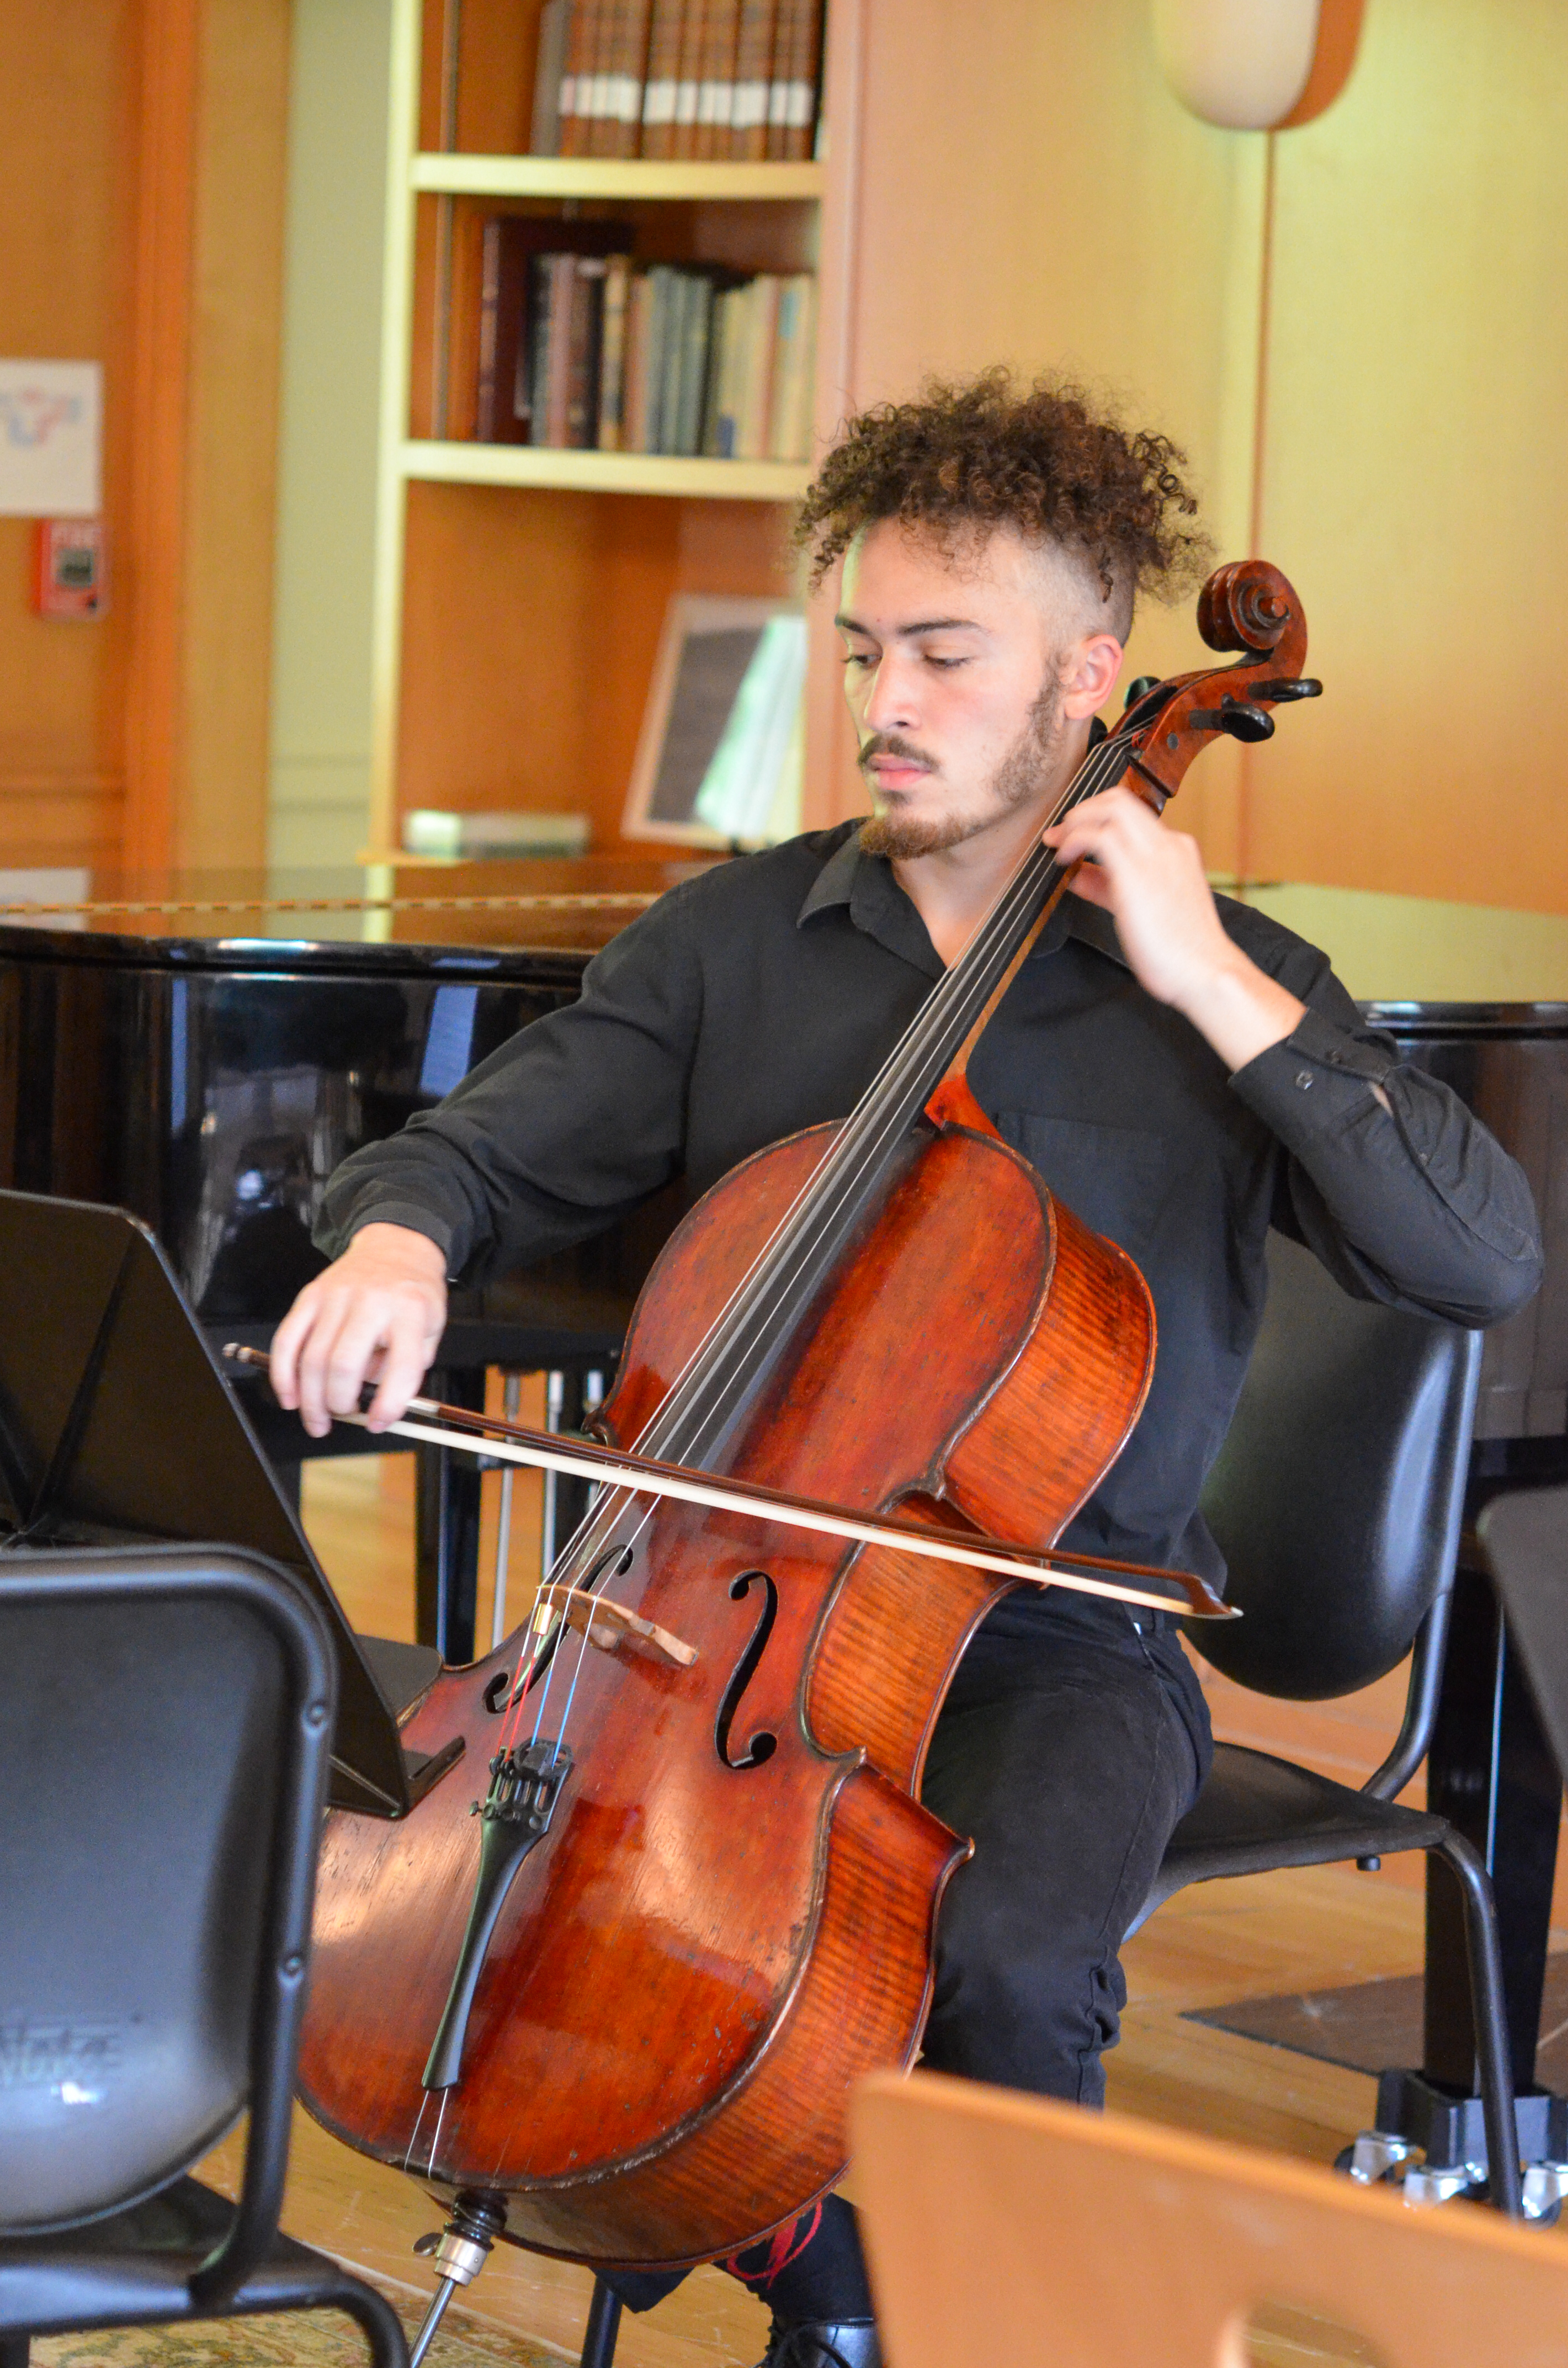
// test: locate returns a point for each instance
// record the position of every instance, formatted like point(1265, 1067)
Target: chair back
point(1005, 2227)
point(166, 1716)
point(1336, 1497)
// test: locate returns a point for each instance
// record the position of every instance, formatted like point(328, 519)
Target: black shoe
point(823, 2343)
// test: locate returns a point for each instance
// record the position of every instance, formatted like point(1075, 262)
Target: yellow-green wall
point(321, 704)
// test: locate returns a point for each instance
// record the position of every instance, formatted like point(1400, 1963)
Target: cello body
point(731, 1917)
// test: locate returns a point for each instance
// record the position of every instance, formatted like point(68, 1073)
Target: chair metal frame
point(1340, 1824)
point(250, 2268)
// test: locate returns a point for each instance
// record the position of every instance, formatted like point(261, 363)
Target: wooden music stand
point(1002, 2227)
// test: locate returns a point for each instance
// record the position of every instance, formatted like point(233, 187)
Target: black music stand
point(118, 1426)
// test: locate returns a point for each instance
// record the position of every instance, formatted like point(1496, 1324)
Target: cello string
point(880, 1116)
point(817, 1208)
point(769, 1280)
point(872, 1128)
point(435, 2141)
point(413, 2134)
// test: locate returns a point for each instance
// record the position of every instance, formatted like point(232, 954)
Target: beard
point(1016, 780)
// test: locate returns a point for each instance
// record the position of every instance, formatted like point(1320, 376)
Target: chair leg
point(379, 2322)
point(604, 2326)
point(13, 2350)
point(1485, 1962)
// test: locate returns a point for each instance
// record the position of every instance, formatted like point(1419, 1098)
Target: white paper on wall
point(50, 439)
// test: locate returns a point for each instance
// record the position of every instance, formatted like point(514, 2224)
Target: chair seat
point(136, 2266)
point(1257, 1813)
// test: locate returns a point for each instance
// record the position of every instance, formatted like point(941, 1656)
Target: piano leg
point(446, 1521)
point(1491, 1773)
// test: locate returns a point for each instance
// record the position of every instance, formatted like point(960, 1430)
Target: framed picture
point(719, 759)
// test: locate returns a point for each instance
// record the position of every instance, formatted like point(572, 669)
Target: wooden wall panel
point(1415, 482)
point(68, 98)
point(153, 566)
point(141, 183)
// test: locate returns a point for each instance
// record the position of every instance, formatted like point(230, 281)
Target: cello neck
point(899, 1092)
point(874, 1143)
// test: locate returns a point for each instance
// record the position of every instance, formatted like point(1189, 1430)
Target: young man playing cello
point(1183, 1074)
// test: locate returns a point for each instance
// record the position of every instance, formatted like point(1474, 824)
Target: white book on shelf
point(752, 443)
point(789, 434)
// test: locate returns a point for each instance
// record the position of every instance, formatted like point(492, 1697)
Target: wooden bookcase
point(519, 591)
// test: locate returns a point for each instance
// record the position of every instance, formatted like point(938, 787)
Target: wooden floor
point(1221, 1942)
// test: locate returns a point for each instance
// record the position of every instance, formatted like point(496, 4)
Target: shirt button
point(1304, 1078)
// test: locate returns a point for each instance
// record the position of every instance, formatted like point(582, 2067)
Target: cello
point(616, 2005)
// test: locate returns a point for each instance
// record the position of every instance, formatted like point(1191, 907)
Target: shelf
point(605, 473)
point(616, 177)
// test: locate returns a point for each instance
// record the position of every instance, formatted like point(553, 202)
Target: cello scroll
point(1246, 605)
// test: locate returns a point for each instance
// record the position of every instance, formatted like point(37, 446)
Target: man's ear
point(1088, 675)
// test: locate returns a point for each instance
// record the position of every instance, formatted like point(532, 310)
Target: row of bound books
point(736, 78)
point(581, 350)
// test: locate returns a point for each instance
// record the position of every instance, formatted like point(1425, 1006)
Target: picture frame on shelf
point(718, 758)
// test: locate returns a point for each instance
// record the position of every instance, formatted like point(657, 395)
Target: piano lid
point(480, 919)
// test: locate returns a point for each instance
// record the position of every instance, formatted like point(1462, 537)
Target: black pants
point(1074, 1739)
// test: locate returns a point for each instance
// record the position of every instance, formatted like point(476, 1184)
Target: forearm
point(1398, 1187)
point(1238, 1010)
point(413, 1180)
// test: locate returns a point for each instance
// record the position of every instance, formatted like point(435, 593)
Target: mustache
point(892, 743)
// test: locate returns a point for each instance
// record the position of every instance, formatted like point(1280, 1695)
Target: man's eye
point(946, 663)
point(858, 658)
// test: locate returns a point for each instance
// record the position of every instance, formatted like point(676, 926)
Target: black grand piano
point(205, 1053)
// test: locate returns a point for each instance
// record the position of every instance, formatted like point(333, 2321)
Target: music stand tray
point(118, 1427)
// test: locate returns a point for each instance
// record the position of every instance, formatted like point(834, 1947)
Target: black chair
point(1336, 1500)
point(166, 1716)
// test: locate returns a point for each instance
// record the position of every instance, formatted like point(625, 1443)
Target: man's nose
point(891, 704)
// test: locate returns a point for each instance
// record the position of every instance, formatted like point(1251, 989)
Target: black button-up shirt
point(762, 996)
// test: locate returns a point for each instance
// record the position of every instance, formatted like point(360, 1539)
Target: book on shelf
point(581, 350)
point(679, 78)
point(555, 26)
point(511, 291)
point(716, 86)
point(793, 90)
point(753, 69)
point(660, 87)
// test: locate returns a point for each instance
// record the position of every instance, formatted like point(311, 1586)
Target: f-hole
point(762, 1744)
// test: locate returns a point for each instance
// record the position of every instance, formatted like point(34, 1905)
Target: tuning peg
point(1291, 686)
point(1239, 717)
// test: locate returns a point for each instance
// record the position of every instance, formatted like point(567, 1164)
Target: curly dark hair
point(1045, 458)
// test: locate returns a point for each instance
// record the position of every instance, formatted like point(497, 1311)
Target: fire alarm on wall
point(68, 572)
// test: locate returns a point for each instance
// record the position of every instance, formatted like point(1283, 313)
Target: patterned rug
point(295, 2339)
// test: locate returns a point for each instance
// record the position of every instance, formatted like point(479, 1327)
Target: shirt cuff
point(332, 1240)
point(1317, 1058)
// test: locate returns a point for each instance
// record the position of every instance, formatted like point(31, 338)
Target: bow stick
point(510, 1442)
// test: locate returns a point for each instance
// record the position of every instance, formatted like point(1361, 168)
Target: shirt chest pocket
point(1116, 1179)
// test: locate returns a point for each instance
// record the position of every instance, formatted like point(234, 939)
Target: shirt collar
point(878, 906)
